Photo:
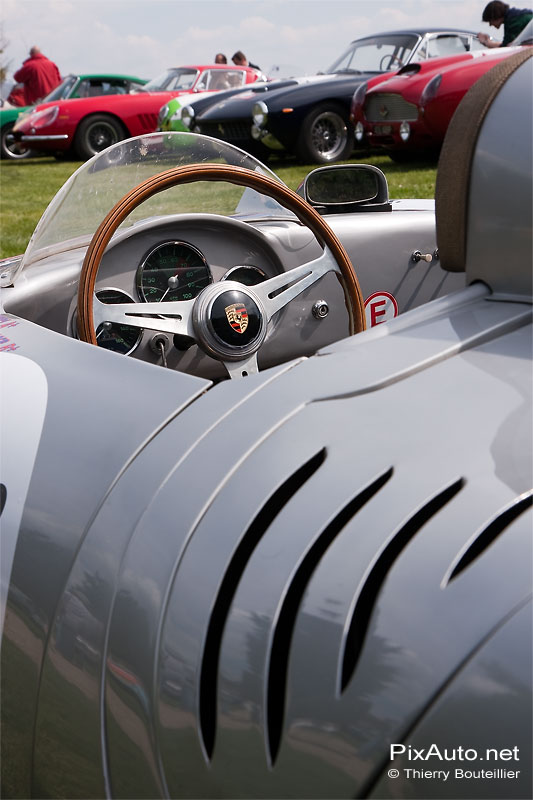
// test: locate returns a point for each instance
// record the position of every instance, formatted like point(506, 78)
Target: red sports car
point(407, 113)
point(86, 126)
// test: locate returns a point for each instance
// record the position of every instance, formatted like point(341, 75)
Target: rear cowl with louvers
point(330, 547)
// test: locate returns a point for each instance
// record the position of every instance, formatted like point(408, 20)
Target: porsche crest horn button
point(237, 316)
point(235, 319)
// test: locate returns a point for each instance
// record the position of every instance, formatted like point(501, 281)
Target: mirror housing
point(342, 188)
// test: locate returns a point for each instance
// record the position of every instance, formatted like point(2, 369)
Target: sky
point(145, 37)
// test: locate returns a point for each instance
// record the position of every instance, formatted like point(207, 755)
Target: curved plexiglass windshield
point(173, 80)
point(376, 54)
point(79, 207)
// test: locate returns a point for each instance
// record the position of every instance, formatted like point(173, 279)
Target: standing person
point(220, 58)
point(39, 76)
point(514, 20)
point(240, 60)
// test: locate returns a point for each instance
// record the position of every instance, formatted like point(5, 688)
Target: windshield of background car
point(215, 80)
point(94, 87)
point(62, 91)
point(376, 54)
point(446, 44)
point(90, 193)
point(173, 80)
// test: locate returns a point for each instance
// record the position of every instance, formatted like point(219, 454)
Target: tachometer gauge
point(172, 271)
point(115, 335)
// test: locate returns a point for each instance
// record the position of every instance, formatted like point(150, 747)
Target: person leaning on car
point(39, 76)
point(240, 60)
point(514, 20)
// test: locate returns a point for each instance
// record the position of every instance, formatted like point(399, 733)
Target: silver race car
point(266, 476)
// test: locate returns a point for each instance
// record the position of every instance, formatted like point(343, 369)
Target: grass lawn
point(26, 188)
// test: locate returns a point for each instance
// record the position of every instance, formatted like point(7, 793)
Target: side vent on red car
point(148, 122)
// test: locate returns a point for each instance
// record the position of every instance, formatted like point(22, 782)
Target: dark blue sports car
point(310, 117)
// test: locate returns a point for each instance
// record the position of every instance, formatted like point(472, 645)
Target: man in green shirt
point(514, 20)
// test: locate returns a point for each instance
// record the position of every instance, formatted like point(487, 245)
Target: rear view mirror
point(347, 187)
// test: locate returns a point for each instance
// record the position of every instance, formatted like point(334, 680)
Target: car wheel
point(95, 133)
point(12, 150)
point(325, 136)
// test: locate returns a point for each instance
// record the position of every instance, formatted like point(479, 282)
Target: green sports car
point(72, 86)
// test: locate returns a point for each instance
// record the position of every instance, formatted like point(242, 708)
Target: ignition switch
point(159, 344)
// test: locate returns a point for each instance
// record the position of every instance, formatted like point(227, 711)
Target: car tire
point(14, 151)
point(95, 133)
point(326, 135)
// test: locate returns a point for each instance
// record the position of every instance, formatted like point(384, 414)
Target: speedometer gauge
point(172, 271)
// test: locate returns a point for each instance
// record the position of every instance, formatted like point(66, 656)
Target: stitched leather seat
point(488, 143)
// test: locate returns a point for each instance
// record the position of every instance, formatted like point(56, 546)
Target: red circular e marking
point(380, 307)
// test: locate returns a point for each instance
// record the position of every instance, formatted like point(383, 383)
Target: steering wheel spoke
point(240, 369)
point(171, 317)
point(277, 292)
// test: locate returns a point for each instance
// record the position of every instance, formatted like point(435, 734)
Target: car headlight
point(260, 114)
point(163, 113)
point(40, 119)
point(186, 116)
point(430, 90)
point(359, 132)
point(405, 131)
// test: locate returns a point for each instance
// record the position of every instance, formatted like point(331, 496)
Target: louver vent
point(367, 598)
point(250, 540)
point(277, 676)
point(487, 536)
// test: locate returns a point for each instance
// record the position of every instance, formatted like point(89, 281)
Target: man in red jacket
point(39, 76)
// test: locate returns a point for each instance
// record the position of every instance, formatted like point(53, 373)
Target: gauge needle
point(172, 284)
point(105, 327)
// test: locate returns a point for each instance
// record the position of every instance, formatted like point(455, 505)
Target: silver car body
point(311, 582)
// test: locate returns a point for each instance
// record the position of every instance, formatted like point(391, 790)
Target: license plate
point(382, 130)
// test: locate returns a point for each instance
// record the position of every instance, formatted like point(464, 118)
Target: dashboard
point(171, 257)
point(175, 259)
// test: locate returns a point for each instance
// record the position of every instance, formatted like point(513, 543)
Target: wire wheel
point(325, 136)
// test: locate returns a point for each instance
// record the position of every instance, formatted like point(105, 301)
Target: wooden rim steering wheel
point(194, 318)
